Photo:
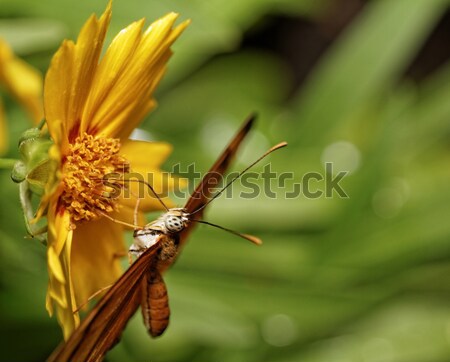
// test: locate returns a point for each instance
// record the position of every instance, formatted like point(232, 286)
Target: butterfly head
point(175, 220)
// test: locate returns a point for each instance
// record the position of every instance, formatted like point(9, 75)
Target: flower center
point(89, 162)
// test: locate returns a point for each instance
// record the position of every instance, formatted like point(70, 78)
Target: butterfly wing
point(102, 328)
point(203, 191)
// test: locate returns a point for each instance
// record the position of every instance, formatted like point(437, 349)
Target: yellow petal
point(3, 131)
point(128, 97)
point(23, 81)
point(146, 159)
point(70, 319)
point(60, 294)
point(56, 292)
point(69, 78)
point(144, 154)
point(112, 65)
point(57, 91)
point(126, 214)
point(161, 183)
point(59, 227)
point(96, 251)
point(54, 265)
point(49, 302)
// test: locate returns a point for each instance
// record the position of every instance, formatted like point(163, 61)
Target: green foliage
point(362, 278)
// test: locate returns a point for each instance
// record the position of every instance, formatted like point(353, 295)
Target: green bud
point(19, 172)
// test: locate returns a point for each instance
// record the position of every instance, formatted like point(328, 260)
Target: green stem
point(41, 124)
point(7, 163)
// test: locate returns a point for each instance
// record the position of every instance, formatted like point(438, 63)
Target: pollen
point(88, 164)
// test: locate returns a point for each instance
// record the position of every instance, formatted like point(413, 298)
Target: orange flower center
point(89, 162)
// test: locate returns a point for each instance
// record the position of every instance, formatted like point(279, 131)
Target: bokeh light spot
point(344, 156)
point(279, 330)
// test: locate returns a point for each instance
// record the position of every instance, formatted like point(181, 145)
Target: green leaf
point(28, 36)
point(365, 62)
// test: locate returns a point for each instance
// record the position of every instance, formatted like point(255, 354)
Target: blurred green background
point(362, 84)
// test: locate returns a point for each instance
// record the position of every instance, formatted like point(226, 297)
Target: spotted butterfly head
point(175, 220)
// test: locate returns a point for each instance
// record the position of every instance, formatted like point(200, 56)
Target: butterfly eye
point(174, 224)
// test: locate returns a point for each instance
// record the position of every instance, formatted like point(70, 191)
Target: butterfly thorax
point(164, 230)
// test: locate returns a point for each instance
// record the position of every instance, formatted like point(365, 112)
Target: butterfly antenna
point(253, 239)
point(274, 148)
point(101, 290)
point(153, 192)
point(145, 183)
point(136, 210)
point(134, 226)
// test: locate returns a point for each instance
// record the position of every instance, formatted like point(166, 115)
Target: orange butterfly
point(156, 246)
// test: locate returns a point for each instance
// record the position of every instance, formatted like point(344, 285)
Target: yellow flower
point(91, 107)
point(23, 82)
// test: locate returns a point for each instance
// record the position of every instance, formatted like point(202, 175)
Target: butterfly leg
point(134, 252)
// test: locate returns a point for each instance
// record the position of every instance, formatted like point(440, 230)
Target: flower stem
point(7, 163)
